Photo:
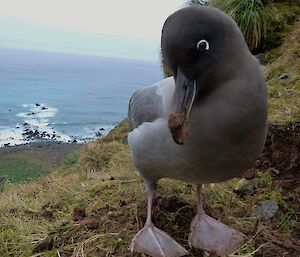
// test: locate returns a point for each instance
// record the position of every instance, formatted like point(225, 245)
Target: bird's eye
point(203, 45)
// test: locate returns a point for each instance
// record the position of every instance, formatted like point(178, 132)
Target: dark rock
point(98, 134)
point(37, 104)
point(101, 129)
point(9, 110)
point(112, 178)
point(44, 108)
point(8, 144)
point(265, 209)
point(28, 134)
point(74, 141)
point(25, 124)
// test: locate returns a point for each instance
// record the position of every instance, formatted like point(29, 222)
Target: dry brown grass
point(39, 218)
point(284, 96)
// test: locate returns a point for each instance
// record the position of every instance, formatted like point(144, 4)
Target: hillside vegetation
point(93, 205)
point(94, 202)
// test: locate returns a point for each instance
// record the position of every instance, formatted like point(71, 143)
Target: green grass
point(17, 168)
point(101, 180)
point(38, 215)
point(70, 162)
point(253, 17)
point(284, 96)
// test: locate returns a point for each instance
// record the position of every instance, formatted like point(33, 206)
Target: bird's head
point(195, 43)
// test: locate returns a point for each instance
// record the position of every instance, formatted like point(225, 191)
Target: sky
point(125, 29)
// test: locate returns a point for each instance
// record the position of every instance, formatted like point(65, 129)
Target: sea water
point(65, 97)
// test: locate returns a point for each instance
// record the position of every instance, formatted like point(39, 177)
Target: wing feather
point(150, 103)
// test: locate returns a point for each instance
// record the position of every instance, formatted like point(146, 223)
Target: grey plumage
point(145, 106)
point(228, 119)
point(228, 122)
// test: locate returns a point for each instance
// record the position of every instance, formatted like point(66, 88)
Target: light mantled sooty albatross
point(205, 124)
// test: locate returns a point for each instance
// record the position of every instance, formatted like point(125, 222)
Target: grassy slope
point(284, 95)
point(95, 203)
point(20, 166)
point(26, 162)
point(93, 206)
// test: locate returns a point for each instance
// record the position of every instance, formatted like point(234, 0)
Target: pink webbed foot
point(212, 235)
point(155, 242)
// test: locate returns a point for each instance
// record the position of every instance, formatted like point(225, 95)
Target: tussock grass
point(253, 17)
point(100, 156)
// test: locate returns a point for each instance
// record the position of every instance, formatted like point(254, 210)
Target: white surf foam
point(11, 136)
point(37, 122)
point(34, 125)
point(40, 123)
point(40, 111)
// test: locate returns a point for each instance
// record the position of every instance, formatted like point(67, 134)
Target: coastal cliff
point(93, 202)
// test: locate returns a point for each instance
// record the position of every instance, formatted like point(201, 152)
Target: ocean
point(65, 97)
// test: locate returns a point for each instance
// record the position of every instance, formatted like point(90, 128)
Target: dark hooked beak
point(185, 94)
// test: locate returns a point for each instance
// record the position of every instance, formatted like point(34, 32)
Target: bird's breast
point(225, 137)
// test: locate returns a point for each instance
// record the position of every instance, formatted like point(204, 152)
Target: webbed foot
point(155, 242)
point(212, 235)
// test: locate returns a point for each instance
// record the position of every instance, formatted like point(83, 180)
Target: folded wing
point(150, 103)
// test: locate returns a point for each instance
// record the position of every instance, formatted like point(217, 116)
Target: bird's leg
point(210, 234)
point(153, 241)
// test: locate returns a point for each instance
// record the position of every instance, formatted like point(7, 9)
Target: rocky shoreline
point(35, 124)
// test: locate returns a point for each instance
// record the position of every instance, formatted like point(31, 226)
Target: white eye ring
point(203, 41)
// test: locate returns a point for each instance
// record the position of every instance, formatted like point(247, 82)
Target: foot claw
point(212, 235)
point(155, 242)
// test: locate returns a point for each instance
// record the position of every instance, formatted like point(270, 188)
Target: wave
point(11, 136)
point(37, 124)
point(38, 111)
